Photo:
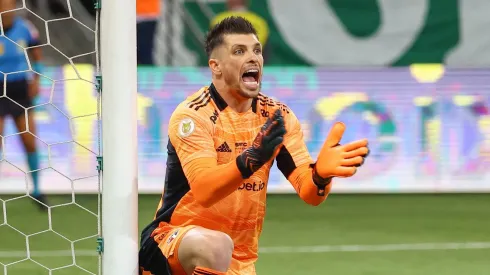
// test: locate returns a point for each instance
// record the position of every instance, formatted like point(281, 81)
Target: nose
point(253, 58)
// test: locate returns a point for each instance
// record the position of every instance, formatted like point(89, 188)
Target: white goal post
point(119, 136)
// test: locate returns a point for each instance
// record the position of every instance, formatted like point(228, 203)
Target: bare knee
point(205, 248)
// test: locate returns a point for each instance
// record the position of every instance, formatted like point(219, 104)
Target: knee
point(206, 248)
point(214, 251)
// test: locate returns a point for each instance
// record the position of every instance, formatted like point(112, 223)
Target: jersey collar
point(221, 103)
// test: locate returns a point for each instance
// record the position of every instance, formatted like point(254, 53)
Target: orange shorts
point(168, 239)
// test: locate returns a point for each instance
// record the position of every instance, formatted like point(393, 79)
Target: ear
point(214, 65)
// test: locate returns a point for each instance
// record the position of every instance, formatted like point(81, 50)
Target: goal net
point(63, 231)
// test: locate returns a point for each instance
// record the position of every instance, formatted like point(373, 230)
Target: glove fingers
point(276, 114)
point(267, 125)
point(355, 144)
point(276, 142)
point(356, 161)
point(359, 152)
point(273, 123)
point(335, 135)
point(276, 132)
point(277, 129)
point(344, 172)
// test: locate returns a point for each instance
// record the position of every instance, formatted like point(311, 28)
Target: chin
point(249, 93)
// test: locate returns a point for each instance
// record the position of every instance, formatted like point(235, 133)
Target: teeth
point(252, 71)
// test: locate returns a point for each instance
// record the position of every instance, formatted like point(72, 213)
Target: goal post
point(117, 36)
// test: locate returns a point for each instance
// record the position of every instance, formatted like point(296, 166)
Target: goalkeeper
point(223, 141)
point(20, 86)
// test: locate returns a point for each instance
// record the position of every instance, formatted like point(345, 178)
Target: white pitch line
point(47, 253)
point(374, 248)
point(287, 249)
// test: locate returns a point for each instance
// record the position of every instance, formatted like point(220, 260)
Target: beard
point(246, 93)
point(237, 85)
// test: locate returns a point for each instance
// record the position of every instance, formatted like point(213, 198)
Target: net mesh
point(59, 236)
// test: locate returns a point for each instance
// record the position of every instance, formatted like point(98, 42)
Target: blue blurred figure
point(18, 86)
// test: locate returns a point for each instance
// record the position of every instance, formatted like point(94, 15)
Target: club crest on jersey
point(186, 127)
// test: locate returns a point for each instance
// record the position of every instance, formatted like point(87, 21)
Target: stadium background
point(411, 77)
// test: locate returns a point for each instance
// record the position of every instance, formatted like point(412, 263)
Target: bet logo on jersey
point(252, 186)
point(186, 127)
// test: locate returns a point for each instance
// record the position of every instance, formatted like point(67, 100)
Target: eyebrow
point(242, 45)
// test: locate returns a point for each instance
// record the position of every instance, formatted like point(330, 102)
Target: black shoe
point(41, 198)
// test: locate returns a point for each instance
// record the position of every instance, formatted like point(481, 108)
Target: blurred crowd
point(150, 12)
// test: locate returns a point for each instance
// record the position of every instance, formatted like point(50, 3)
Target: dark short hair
point(229, 25)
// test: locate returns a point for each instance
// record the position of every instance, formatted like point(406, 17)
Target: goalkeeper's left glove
point(265, 145)
point(335, 160)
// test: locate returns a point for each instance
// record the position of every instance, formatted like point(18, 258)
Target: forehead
point(240, 39)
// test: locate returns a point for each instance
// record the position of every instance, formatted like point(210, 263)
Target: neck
point(233, 99)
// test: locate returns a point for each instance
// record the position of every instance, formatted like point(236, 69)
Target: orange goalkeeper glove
point(335, 160)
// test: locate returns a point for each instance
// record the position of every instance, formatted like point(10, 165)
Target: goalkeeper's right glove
point(335, 160)
point(265, 144)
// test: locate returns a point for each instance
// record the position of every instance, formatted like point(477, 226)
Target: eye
point(258, 51)
point(238, 51)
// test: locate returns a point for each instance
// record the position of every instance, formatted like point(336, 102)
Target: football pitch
point(349, 234)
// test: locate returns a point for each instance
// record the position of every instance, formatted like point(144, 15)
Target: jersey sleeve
point(293, 156)
point(33, 34)
point(190, 135)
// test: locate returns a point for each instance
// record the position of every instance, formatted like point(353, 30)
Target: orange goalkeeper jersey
point(204, 127)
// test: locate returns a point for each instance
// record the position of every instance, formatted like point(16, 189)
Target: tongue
point(250, 83)
point(248, 79)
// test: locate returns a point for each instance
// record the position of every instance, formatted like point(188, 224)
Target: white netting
point(62, 238)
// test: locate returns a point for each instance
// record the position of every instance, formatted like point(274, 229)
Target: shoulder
point(269, 104)
point(27, 26)
point(194, 109)
point(21, 22)
point(198, 104)
point(198, 101)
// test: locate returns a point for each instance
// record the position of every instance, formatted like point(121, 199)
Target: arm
point(34, 51)
point(35, 55)
point(191, 135)
point(312, 181)
point(192, 138)
point(302, 180)
point(211, 182)
point(296, 164)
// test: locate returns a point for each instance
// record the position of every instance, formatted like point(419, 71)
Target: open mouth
point(251, 78)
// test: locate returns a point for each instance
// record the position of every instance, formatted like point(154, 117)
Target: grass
point(343, 220)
